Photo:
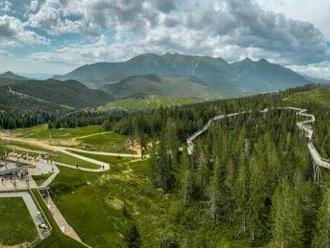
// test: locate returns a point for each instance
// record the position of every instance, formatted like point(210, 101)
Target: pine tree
point(322, 235)
point(215, 196)
point(187, 188)
point(229, 189)
point(287, 218)
point(256, 204)
point(242, 195)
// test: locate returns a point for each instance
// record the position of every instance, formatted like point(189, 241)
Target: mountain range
point(212, 74)
point(171, 75)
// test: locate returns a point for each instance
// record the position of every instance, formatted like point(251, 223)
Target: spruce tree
point(287, 218)
point(322, 234)
point(241, 194)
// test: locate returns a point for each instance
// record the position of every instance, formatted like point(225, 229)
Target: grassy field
point(319, 96)
point(107, 159)
point(66, 159)
point(41, 178)
point(58, 157)
point(148, 102)
point(42, 132)
point(102, 207)
point(108, 142)
point(16, 225)
point(90, 137)
point(22, 147)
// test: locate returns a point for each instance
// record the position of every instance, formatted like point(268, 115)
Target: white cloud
point(34, 5)
point(313, 11)
point(113, 30)
point(5, 54)
point(239, 24)
point(13, 33)
point(321, 70)
point(51, 17)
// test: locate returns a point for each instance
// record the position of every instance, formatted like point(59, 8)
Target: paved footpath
point(21, 185)
point(60, 220)
point(32, 208)
point(50, 179)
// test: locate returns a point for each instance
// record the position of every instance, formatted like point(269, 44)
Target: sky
point(47, 37)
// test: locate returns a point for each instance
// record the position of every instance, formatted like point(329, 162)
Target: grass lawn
point(57, 238)
point(102, 207)
point(22, 147)
point(107, 142)
point(66, 159)
point(42, 132)
point(113, 161)
point(16, 224)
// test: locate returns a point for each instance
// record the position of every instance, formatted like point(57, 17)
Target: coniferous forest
point(250, 181)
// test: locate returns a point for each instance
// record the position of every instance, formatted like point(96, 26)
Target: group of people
point(14, 178)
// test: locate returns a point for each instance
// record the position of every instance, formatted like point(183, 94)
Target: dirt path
point(91, 135)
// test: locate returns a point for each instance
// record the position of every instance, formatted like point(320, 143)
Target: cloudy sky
point(55, 36)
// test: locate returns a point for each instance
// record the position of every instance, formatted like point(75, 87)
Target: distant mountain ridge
point(48, 95)
point(11, 75)
point(240, 78)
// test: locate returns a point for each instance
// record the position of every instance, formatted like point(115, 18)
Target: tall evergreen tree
point(287, 218)
point(242, 195)
point(322, 234)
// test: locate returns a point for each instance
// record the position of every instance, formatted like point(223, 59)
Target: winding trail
point(305, 126)
point(70, 152)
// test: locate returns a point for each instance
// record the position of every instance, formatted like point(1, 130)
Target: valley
point(164, 124)
point(179, 187)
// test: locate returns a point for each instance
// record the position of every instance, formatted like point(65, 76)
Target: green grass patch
point(113, 161)
point(41, 178)
point(57, 238)
point(66, 159)
point(16, 224)
point(102, 207)
point(42, 132)
point(22, 147)
point(107, 142)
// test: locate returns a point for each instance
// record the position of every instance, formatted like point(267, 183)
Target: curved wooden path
point(305, 126)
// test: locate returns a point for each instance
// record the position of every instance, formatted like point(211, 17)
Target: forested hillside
point(33, 95)
point(249, 183)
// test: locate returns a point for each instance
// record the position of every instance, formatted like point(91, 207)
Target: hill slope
point(49, 95)
point(163, 86)
point(11, 75)
point(146, 102)
point(244, 77)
